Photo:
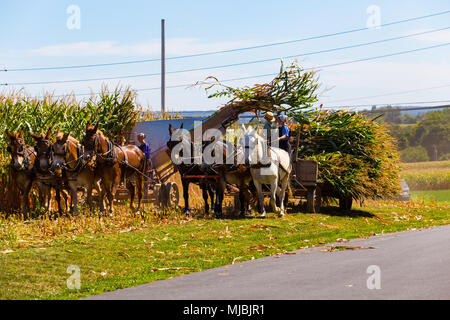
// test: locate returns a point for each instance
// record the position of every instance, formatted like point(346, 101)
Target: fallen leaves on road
point(340, 248)
point(341, 240)
point(278, 254)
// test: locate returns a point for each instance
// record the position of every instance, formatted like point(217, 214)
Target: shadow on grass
point(331, 211)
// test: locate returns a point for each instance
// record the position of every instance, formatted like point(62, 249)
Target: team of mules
point(241, 174)
point(66, 164)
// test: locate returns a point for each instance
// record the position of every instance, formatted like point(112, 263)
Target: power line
point(224, 51)
point(173, 86)
point(389, 104)
point(198, 69)
point(407, 109)
point(389, 94)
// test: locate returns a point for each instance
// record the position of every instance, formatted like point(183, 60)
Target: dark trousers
point(286, 146)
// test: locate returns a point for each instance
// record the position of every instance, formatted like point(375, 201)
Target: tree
point(414, 154)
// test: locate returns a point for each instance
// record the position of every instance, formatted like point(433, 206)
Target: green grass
point(110, 261)
point(441, 196)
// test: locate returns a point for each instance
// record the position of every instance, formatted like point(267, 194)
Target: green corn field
point(117, 112)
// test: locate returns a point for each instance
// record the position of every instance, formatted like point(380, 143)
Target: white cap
point(283, 118)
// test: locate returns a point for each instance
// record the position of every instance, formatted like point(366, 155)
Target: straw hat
point(269, 116)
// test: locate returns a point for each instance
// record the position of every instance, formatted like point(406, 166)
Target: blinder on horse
point(110, 156)
point(65, 165)
point(20, 151)
point(47, 153)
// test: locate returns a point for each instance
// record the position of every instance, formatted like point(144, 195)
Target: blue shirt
point(284, 130)
point(145, 149)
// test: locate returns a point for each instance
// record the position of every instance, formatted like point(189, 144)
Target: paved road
point(413, 265)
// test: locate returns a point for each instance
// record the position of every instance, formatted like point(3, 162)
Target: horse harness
point(110, 157)
point(80, 164)
point(25, 153)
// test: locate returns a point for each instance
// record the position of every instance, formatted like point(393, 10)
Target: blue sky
point(35, 34)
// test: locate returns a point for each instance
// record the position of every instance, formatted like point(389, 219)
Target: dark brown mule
point(45, 178)
point(209, 187)
point(68, 157)
point(22, 163)
point(237, 175)
point(113, 163)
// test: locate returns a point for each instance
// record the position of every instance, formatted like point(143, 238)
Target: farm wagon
point(165, 187)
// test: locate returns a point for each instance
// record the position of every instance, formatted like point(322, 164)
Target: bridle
point(108, 156)
point(80, 163)
point(48, 154)
point(23, 152)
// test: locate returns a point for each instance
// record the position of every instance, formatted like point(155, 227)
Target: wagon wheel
point(345, 203)
point(310, 201)
point(157, 192)
point(318, 200)
point(237, 203)
point(173, 194)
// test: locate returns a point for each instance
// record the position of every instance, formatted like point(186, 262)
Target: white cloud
point(77, 49)
point(435, 37)
point(378, 78)
point(174, 46)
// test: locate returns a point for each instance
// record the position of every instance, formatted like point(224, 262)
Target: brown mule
point(45, 178)
point(22, 163)
point(113, 163)
point(68, 157)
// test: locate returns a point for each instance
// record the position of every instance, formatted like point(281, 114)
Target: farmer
point(146, 150)
point(268, 127)
point(284, 134)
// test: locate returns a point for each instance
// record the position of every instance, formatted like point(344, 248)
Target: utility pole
point(163, 68)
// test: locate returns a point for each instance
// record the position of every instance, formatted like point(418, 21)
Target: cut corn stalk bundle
point(356, 156)
point(291, 90)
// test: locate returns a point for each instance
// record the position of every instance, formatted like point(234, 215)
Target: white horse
point(272, 170)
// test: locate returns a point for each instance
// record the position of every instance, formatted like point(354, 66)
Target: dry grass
point(124, 250)
point(50, 226)
point(433, 175)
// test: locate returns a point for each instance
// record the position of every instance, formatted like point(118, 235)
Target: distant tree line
point(423, 137)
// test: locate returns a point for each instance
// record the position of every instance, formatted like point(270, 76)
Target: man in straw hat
point(146, 150)
point(269, 126)
point(284, 134)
